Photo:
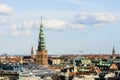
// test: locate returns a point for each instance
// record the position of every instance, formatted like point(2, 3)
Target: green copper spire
point(41, 42)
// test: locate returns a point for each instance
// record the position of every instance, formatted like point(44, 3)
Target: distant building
point(54, 61)
point(41, 54)
point(9, 75)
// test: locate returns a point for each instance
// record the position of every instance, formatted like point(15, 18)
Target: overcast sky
point(71, 26)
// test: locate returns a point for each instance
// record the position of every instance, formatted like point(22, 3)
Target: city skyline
point(71, 26)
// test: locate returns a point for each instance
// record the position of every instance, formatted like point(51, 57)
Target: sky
point(70, 26)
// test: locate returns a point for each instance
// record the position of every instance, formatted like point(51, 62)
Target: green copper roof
point(41, 42)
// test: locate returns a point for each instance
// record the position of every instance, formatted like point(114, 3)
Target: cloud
point(5, 9)
point(94, 18)
point(29, 24)
point(17, 30)
point(81, 21)
point(72, 25)
point(53, 24)
point(14, 30)
point(3, 21)
point(56, 24)
point(23, 29)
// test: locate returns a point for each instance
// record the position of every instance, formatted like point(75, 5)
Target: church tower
point(113, 53)
point(32, 53)
point(41, 54)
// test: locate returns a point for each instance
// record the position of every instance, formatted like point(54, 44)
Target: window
point(45, 56)
point(41, 56)
point(38, 56)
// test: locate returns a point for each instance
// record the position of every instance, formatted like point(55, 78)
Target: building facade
point(54, 61)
